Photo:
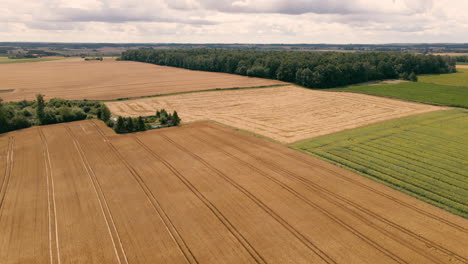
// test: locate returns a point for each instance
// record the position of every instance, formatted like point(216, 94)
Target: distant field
point(462, 63)
point(445, 89)
point(202, 193)
point(5, 60)
point(286, 114)
point(424, 156)
point(110, 79)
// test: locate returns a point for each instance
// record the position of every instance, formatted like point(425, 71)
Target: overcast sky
point(239, 21)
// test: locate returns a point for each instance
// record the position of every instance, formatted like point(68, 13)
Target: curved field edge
point(434, 170)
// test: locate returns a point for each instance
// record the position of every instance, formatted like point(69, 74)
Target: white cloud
point(247, 21)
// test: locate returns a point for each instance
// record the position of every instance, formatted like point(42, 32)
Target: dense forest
point(309, 69)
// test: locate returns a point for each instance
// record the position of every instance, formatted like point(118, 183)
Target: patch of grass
point(424, 156)
point(460, 78)
point(5, 60)
point(441, 89)
point(456, 96)
point(462, 63)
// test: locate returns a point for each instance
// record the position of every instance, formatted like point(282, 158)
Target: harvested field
point(202, 193)
point(286, 114)
point(110, 79)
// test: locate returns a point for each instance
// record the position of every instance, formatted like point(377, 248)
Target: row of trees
point(23, 114)
point(309, 69)
point(129, 124)
point(461, 58)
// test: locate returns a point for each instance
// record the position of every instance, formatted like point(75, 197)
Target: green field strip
point(397, 172)
point(421, 194)
point(424, 156)
point(406, 168)
point(363, 134)
point(439, 152)
point(445, 89)
point(426, 162)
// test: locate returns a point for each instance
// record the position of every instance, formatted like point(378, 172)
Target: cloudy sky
point(238, 21)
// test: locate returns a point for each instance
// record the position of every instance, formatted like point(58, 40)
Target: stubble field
point(202, 193)
point(286, 114)
point(110, 79)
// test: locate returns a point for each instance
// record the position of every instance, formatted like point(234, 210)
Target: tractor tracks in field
point(154, 202)
point(334, 198)
point(301, 158)
point(109, 219)
point(304, 240)
point(54, 250)
point(8, 171)
point(223, 219)
point(310, 203)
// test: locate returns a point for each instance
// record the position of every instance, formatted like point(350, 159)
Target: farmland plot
point(202, 193)
point(286, 114)
point(110, 79)
point(424, 156)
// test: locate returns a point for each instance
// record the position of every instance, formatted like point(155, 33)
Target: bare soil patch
point(110, 79)
point(202, 193)
point(286, 114)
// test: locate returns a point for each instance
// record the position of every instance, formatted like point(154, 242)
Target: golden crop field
point(287, 114)
point(110, 79)
point(201, 193)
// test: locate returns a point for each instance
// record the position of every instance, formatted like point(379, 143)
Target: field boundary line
point(50, 196)
point(194, 91)
point(332, 199)
point(337, 173)
point(102, 200)
point(172, 230)
point(309, 244)
point(223, 219)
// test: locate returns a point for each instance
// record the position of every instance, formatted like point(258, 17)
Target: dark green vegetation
point(23, 114)
point(424, 156)
point(129, 124)
point(444, 89)
point(461, 59)
point(309, 69)
point(93, 58)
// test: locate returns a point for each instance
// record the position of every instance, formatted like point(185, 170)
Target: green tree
point(105, 113)
point(19, 122)
point(119, 127)
point(141, 124)
point(129, 124)
point(4, 120)
point(176, 119)
point(412, 77)
point(40, 111)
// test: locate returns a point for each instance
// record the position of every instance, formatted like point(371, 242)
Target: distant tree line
point(129, 124)
point(23, 114)
point(461, 58)
point(309, 69)
point(93, 58)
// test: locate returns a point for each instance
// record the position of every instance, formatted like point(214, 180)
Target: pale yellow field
point(110, 79)
point(287, 114)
